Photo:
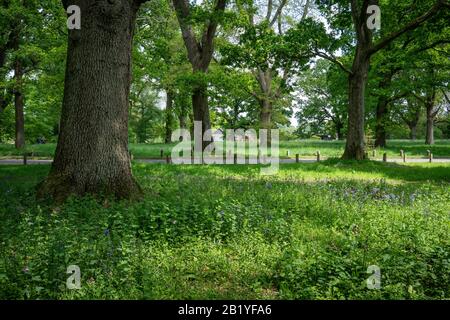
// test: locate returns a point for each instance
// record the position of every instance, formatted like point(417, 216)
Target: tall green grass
point(226, 232)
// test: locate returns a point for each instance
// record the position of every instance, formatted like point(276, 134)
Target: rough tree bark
point(266, 114)
point(355, 146)
point(264, 79)
point(430, 130)
point(431, 116)
point(92, 152)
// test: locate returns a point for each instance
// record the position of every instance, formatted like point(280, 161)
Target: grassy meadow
point(226, 232)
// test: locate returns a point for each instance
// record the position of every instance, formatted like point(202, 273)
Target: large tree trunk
point(201, 110)
point(412, 119)
point(92, 153)
point(430, 126)
point(265, 114)
point(431, 115)
point(19, 104)
point(380, 127)
point(355, 147)
point(413, 131)
point(265, 119)
point(339, 126)
point(169, 116)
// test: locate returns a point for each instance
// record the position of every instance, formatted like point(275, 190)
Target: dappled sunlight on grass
point(226, 232)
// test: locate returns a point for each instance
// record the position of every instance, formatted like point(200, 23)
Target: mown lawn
point(305, 148)
point(226, 232)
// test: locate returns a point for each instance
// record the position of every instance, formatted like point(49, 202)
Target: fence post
point(162, 153)
point(402, 153)
point(404, 157)
point(430, 157)
point(297, 158)
point(25, 159)
point(318, 156)
point(385, 157)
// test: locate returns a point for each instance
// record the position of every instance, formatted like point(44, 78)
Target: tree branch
point(210, 32)
point(278, 12)
point(192, 46)
point(334, 60)
point(411, 26)
point(269, 10)
point(445, 96)
point(432, 45)
point(306, 10)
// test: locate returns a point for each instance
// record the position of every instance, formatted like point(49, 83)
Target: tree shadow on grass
point(332, 168)
point(395, 171)
point(439, 150)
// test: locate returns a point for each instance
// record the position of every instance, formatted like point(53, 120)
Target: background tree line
point(245, 63)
